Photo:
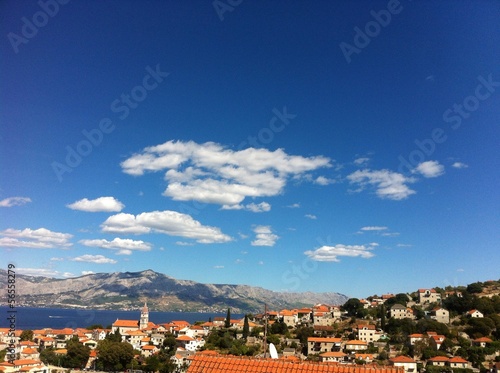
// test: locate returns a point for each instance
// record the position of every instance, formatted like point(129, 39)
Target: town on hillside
point(430, 330)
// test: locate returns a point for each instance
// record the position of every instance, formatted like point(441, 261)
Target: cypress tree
point(227, 324)
point(246, 327)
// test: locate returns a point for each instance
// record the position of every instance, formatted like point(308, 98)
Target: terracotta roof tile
point(229, 364)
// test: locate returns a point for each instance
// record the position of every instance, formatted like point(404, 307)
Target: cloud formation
point(264, 236)
point(387, 184)
point(14, 201)
point(332, 253)
point(167, 222)
point(211, 173)
point(96, 259)
point(374, 228)
point(101, 204)
point(41, 238)
point(253, 207)
point(123, 246)
point(459, 165)
point(430, 169)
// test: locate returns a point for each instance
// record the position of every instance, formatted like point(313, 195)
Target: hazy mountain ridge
point(129, 290)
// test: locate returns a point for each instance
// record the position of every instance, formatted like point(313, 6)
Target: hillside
point(129, 290)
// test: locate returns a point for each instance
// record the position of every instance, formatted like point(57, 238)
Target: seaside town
point(433, 330)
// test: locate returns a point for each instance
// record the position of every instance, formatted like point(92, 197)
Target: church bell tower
point(143, 323)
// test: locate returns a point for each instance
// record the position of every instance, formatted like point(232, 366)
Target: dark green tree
point(382, 316)
point(27, 335)
point(48, 356)
point(114, 337)
point(475, 288)
point(227, 322)
point(246, 327)
point(114, 355)
point(77, 354)
point(353, 307)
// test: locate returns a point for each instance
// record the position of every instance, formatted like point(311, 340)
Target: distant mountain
point(129, 290)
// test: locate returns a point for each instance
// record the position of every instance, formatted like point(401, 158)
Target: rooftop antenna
point(265, 330)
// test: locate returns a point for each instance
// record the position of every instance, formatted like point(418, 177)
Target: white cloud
point(374, 228)
point(87, 273)
point(211, 173)
point(123, 246)
point(310, 216)
point(430, 169)
point(361, 161)
point(101, 204)
point(182, 243)
point(388, 184)
point(264, 236)
point(403, 245)
point(321, 180)
point(167, 222)
point(390, 234)
point(45, 272)
point(332, 253)
point(41, 238)
point(294, 206)
point(459, 165)
point(218, 267)
point(96, 259)
point(56, 259)
point(14, 201)
point(260, 207)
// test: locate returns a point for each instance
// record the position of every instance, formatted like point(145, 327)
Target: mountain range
point(129, 290)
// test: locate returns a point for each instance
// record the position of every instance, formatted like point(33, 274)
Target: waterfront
point(58, 318)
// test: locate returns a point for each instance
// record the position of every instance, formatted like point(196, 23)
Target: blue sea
point(58, 318)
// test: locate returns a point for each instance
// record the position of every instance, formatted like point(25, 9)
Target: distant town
point(456, 329)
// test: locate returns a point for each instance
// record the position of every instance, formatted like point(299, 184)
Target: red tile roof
point(126, 323)
point(231, 364)
point(457, 359)
point(402, 359)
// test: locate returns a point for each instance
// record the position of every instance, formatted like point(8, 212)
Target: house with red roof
point(333, 357)
point(458, 362)
point(316, 345)
point(426, 296)
point(355, 345)
point(475, 314)
point(407, 363)
point(438, 361)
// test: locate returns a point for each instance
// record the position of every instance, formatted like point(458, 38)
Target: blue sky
point(328, 146)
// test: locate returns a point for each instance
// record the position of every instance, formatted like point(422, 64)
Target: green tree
point(382, 313)
point(48, 356)
point(77, 354)
point(27, 335)
point(353, 307)
point(475, 288)
point(246, 327)
point(114, 337)
point(399, 298)
point(227, 322)
point(114, 355)
point(170, 344)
